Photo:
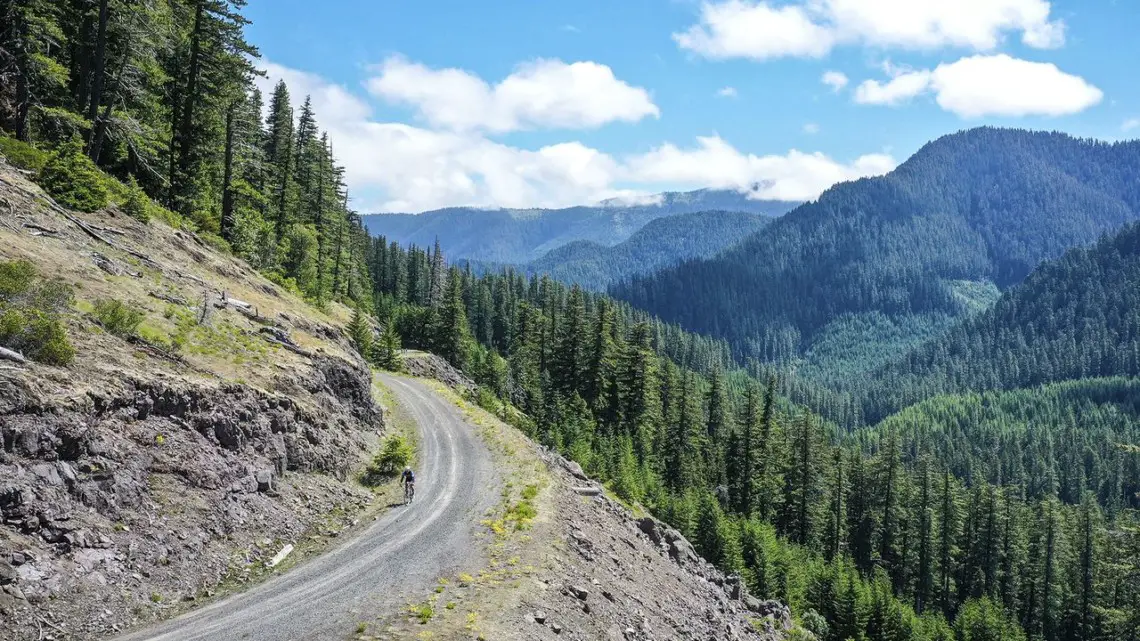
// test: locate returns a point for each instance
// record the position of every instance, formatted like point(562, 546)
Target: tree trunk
point(339, 240)
point(101, 122)
point(186, 126)
point(227, 222)
point(319, 221)
point(100, 60)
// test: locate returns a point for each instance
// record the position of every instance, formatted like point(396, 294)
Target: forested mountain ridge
point(1072, 318)
point(518, 236)
point(976, 207)
point(660, 243)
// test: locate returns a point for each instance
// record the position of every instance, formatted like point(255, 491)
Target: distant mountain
point(518, 236)
point(878, 264)
point(660, 243)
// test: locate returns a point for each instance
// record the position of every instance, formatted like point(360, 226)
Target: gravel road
point(395, 561)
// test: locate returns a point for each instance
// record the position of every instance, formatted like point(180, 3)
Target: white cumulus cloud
point(715, 163)
point(1130, 124)
point(761, 30)
point(997, 85)
point(837, 80)
point(896, 91)
point(539, 94)
point(414, 168)
point(739, 29)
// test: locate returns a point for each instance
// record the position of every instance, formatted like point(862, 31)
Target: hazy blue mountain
point(519, 236)
point(660, 243)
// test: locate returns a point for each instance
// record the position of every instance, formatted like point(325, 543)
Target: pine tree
point(386, 350)
point(568, 362)
point(717, 429)
point(360, 333)
point(452, 334)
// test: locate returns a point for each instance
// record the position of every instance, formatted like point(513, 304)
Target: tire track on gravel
point(397, 559)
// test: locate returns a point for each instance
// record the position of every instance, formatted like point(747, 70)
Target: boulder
point(651, 528)
point(575, 470)
point(265, 481)
point(8, 574)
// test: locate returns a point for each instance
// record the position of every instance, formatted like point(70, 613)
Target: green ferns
point(31, 312)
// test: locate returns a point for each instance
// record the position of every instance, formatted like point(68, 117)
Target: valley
point(732, 394)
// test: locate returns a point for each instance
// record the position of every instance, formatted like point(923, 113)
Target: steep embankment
point(164, 466)
point(391, 562)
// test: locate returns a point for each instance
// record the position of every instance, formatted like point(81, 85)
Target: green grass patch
point(117, 317)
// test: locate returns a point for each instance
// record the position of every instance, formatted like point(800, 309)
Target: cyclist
point(408, 478)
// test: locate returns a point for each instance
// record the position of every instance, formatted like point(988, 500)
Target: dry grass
point(181, 268)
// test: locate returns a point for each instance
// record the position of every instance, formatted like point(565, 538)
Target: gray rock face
point(147, 488)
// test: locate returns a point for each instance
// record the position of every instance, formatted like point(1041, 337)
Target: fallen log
point(109, 230)
point(235, 302)
point(10, 355)
point(588, 491)
point(291, 348)
point(168, 298)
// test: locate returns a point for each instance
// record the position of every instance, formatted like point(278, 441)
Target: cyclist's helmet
point(407, 468)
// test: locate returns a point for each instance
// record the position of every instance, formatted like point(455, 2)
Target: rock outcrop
point(615, 576)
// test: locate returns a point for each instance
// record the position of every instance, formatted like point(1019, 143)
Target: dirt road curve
point(395, 561)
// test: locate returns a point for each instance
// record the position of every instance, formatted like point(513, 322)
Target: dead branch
point(94, 234)
point(41, 229)
point(109, 230)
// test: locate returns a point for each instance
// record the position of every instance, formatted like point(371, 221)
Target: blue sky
point(601, 98)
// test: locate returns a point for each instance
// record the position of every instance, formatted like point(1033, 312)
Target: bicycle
point(409, 492)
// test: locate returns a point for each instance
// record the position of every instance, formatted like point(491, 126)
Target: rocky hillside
point(168, 463)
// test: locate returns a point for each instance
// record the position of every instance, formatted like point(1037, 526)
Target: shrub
point(23, 155)
point(137, 205)
point(393, 456)
point(117, 317)
point(30, 314)
point(73, 179)
point(216, 241)
point(16, 278)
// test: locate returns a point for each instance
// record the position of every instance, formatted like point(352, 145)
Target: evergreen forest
point(908, 409)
